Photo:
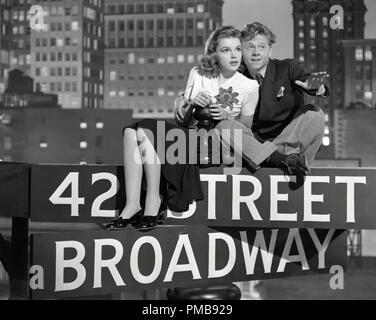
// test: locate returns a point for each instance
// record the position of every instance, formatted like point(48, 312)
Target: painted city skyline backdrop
point(277, 14)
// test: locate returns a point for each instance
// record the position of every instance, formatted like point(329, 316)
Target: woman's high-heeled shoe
point(120, 223)
point(148, 223)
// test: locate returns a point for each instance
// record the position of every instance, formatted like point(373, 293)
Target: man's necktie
point(259, 78)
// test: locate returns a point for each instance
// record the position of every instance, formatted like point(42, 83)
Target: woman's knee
point(128, 132)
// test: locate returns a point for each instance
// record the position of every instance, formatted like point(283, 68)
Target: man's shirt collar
point(262, 71)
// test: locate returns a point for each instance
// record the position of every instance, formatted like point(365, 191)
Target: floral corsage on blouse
point(227, 98)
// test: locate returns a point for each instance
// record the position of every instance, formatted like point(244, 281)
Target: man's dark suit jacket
point(276, 110)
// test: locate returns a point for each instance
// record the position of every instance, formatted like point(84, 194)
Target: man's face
point(256, 53)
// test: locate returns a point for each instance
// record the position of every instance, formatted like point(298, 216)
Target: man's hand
point(202, 99)
point(314, 81)
point(179, 108)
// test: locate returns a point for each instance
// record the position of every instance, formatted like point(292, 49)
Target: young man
point(285, 133)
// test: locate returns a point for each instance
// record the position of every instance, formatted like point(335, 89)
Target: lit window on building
point(161, 92)
point(122, 93)
point(99, 125)
point(190, 10)
point(160, 60)
point(75, 25)
point(131, 58)
point(326, 130)
point(141, 60)
point(170, 10)
point(191, 58)
point(112, 75)
point(170, 59)
point(301, 23)
point(301, 34)
point(60, 42)
point(368, 54)
point(301, 45)
point(83, 125)
point(200, 8)
point(44, 71)
point(170, 93)
point(312, 22)
point(312, 33)
point(83, 144)
point(368, 95)
point(112, 93)
point(359, 54)
point(301, 58)
point(200, 25)
point(326, 141)
point(180, 58)
point(325, 34)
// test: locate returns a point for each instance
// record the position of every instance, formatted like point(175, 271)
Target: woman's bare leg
point(152, 168)
point(132, 173)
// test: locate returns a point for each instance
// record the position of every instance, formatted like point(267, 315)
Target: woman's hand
point(217, 112)
point(202, 99)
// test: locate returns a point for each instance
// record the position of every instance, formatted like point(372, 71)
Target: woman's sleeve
point(250, 100)
point(189, 87)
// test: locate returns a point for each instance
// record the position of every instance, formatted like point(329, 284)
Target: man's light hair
point(250, 31)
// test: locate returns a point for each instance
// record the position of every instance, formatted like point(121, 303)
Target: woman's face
point(229, 52)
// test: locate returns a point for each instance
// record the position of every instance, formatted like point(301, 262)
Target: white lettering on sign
point(238, 245)
point(321, 248)
point(110, 264)
point(74, 263)
point(238, 184)
point(350, 198)
point(267, 254)
point(72, 180)
point(293, 235)
point(96, 211)
point(249, 200)
point(212, 271)
point(183, 215)
point(212, 180)
point(157, 260)
point(309, 198)
point(275, 197)
point(74, 200)
point(183, 242)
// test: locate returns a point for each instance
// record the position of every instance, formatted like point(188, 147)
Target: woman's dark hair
point(209, 63)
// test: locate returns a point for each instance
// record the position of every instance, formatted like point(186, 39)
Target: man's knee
point(314, 114)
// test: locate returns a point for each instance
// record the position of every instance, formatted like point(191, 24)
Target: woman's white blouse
point(239, 92)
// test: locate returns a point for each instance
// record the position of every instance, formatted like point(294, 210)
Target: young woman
point(176, 185)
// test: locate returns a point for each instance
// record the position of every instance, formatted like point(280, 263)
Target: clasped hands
point(204, 100)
